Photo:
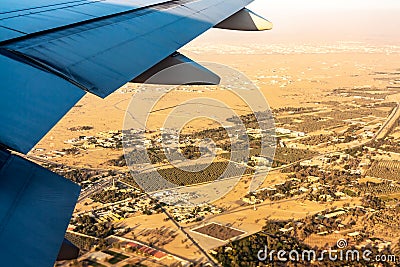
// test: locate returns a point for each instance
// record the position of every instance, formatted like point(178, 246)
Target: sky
point(321, 21)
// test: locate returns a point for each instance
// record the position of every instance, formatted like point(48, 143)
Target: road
point(200, 248)
point(389, 123)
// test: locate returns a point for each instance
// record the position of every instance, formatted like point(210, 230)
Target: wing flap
point(6, 34)
point(42, 21)
point(15, 7)
point(35, 206)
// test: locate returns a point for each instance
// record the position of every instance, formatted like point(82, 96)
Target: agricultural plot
point(209, 174)
point(218, 231)
point(216, 170)
point(310, 123)
point(380, 189)
point(330, 120)
point(355, 113)
point(385, 169)
point(284, 155)
point(316, 140)
point(111, 196)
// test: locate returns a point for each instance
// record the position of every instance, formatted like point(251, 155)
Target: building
point(261, 160)
point(282, 131)
point(335, 214)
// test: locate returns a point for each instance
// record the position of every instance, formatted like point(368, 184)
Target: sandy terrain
point(178, 245)
point(251, 221)
point(300, 80)
point(285, 80)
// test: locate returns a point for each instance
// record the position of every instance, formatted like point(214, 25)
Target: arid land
point(330, 109)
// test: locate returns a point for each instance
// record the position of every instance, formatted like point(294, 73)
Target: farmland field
point(218, 231)
point(385, 169)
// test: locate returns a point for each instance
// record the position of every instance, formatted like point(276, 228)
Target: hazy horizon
point(319, 21)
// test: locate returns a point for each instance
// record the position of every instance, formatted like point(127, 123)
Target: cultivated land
point(335, 171)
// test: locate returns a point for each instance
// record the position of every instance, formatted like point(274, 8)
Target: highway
point(389, 123)
point(211, 261)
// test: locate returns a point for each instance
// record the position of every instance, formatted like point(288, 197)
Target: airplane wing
point(53, 52)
